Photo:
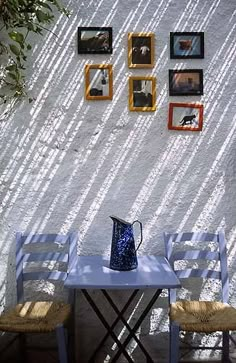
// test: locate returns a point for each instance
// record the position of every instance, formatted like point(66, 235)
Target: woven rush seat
point(203, 316)
point(35, 317)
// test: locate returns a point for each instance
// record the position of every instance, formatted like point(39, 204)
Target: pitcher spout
point(119, 220)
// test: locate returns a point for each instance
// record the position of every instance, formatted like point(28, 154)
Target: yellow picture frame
point(141, 50)
point(142, 93)
point(98, 82)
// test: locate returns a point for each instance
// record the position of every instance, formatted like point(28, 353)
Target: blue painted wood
point(39, 259)
point(188, 272)
point(40, 275)
point(25, 259)
point(48, 238)
point(192, 236)
point(192, 254)
point(46, 256)
point(196, 255)
point(61, 343)
point(19, 268)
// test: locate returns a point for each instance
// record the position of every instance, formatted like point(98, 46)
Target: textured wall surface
point(67, 163)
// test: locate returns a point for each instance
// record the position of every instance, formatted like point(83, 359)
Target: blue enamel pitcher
point(123, 251)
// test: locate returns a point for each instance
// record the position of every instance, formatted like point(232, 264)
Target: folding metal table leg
point(106, 325)
point(137, 325)
point(121, 317)
point(123, 310)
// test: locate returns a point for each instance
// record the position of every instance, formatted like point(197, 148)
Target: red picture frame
point(185, 116)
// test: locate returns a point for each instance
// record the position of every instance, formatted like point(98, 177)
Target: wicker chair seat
point(35, 317)
point(203, 316)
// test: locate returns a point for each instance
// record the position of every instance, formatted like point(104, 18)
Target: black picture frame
point(186, 82)
point(186, 45)
point(94, 40)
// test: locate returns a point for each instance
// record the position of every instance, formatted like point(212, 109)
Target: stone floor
point(12, 355)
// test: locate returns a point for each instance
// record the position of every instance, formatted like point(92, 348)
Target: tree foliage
point(18, 19)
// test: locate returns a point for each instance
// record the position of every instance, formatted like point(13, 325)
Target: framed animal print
point(187, 45)
point(186, 82)
point(185, 116)
point(98, 82)
point(142, 93)
point(140, 50)
point(94, 40)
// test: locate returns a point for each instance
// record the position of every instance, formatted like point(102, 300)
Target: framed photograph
point(185, 116)
point(142, 93)
point(187, 45)
point(187, 82)
point(98, 82)
point(94, 40)
point(140, 50)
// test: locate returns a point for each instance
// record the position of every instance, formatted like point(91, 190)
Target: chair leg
point(174, 343)
point(225, 350)
point(61, 343)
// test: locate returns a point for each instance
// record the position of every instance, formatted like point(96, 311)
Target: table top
point(93, 272)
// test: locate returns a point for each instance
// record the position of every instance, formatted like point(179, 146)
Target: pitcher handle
point(141, 234)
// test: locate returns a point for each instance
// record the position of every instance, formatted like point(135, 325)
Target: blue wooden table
point(93, 272)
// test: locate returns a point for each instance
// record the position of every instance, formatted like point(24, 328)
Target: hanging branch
point(19, 18)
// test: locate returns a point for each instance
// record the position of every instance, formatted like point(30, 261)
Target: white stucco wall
point(68, 163)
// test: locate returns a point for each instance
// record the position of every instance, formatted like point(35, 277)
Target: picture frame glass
point(141, 50)
point(186, 117)
point(186, 82)
point(142, 93)
point(99, 82)
point(95, 40)
point(187, 45)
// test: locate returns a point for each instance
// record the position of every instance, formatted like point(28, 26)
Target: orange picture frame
point(141, 50)
point(185, 116)
point(98, 82)
point(142, 93)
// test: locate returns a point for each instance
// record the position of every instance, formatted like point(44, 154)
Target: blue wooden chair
point(199, 316)
point(41, 257)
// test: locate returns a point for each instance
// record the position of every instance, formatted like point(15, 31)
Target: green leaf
point(16, 36)
point(41, 16)
point(12, 67)
point(45, 5)
point(14, 49)
point(13, 76)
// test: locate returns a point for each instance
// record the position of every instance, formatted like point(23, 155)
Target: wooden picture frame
point(188, 45)
point(94, 40)
point(141, 50)
point(185, 116)
point(98, 82)
point(142, 93)
point(186, 82)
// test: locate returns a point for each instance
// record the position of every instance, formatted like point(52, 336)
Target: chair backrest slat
point(48, 238)
point(46, 256)
point(51, 258)
point(45, 275)
point(193, 236)
point(196, 254)
point(190, 241)
point(204, 273)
